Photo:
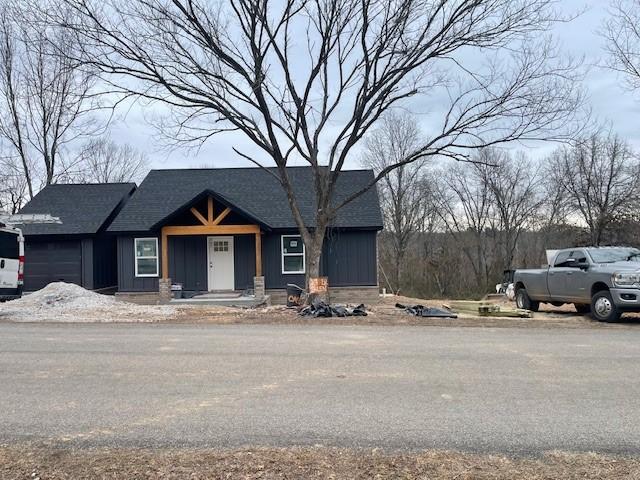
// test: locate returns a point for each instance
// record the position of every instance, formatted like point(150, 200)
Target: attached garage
point(78, 250)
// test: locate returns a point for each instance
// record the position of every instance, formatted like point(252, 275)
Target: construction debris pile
point(422, 311)
point(322, 309)
point(489, 309)
point(468, 308)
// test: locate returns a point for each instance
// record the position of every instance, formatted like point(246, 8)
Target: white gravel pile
point(67, 302)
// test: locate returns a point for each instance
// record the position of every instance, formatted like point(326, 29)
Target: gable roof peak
point(84, 209)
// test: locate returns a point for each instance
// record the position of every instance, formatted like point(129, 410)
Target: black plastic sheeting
point(321, 309)
point(422, 311)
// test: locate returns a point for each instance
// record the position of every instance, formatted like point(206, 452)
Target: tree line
point(52, 127)
point(453, 228)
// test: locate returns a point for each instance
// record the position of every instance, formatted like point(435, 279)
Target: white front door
point(220, 256)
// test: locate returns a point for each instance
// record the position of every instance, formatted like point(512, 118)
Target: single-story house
point(78, 250)
point(219, 229)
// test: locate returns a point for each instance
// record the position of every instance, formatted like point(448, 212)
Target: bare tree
point(465, 208)
point(601, 178)
point(12, 123)
point(13, 186)
point(401, 191)
point(44, 98)
point(307, 79)
point(622, 34)
point(514, 184)
point(436, 260)
point(486, 206)
point(104, 161)
point(553, 225)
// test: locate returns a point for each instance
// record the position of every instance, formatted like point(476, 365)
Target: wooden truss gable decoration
point(210, 226)
point(210, 221)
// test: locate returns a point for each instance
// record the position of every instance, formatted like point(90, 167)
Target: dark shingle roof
point(82, 208)
point(252, 191)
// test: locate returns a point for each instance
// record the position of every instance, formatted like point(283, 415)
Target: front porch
point(224, 299)
point(215, 255)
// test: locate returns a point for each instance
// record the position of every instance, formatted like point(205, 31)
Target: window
point(292, 254)
point(579, 257)
point(576, 256)
point(9, 245)
point(220, 245)
point(146, 251)
point(610, 255)
point(561, 259)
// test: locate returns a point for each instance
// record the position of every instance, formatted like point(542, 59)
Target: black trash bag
point(321, 309)
point(415, 310)
point(340, 311)
point(437, 313)
point(422, 311)
point(306, 311)
point(317, 309)
point(359, 311)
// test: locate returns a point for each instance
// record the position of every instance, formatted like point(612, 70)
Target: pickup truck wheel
point(603, 309)
point(582, 309)
point(524, 302)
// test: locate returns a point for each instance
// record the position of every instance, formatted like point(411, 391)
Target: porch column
point(258, 254)
point(165, 255)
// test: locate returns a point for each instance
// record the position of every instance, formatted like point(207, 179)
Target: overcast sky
point(609, 101)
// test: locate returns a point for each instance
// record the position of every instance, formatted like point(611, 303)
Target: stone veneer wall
point(140, 298)
point(337, 295)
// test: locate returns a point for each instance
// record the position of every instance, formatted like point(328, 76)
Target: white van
point(11, 262)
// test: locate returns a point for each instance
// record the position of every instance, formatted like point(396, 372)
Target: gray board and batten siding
point(348, 259)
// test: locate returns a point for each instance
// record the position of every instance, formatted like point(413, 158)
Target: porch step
point(236, 301)
point(219, 295)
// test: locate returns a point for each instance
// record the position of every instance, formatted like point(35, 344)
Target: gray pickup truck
point(602, 281)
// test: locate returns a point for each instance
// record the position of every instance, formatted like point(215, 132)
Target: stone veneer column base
point(164, 289)
point(258, 287)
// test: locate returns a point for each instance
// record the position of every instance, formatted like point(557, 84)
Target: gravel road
point(512, 391)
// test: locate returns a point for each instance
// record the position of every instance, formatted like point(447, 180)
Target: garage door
point(47, 262)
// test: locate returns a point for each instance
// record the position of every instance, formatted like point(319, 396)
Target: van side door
point(9, 259)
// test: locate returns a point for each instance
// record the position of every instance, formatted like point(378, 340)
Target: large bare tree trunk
point(314, 254)
point(314, 241)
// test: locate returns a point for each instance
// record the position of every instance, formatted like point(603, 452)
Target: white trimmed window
point(146, 257)
point(292, 254)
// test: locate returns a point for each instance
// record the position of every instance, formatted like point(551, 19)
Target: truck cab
point(11, 262)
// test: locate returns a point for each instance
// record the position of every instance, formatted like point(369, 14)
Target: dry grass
point(303, 463)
